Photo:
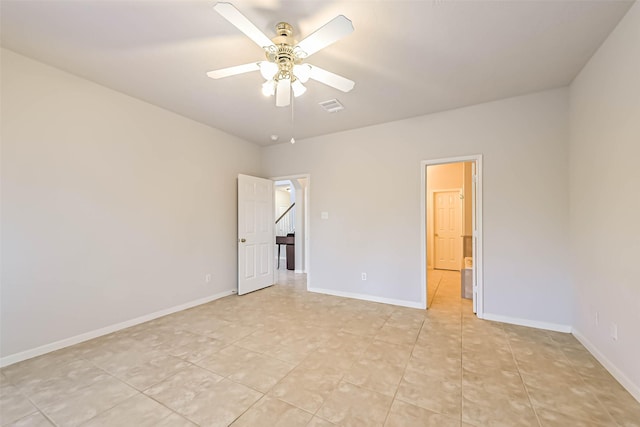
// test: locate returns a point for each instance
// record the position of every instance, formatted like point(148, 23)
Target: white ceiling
point(407, 58)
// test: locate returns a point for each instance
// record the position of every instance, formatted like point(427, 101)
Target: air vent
point(332, 106)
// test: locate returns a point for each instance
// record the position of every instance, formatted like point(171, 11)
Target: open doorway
point(451, 224)
point(291, 199)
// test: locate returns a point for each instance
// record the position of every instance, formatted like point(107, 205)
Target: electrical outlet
point(364, 276)
point(614, 331)
point(207, 278)
point(597, 320)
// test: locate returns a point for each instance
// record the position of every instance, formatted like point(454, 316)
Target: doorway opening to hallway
point(291, 200)
point(452, 224)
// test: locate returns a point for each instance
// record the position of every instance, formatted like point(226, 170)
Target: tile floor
point(286, 357)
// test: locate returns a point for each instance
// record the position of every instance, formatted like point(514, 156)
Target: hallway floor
point(284, 356)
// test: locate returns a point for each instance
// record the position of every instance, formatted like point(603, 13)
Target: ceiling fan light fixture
point(298, 88)
point(269, 88)
point(268, 69)
point(283, 93)
point(302, 72)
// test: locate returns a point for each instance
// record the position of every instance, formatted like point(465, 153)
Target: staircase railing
point(285, 224)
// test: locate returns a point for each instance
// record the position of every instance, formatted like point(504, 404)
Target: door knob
point(243, 240)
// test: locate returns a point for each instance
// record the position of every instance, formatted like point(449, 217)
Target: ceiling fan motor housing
point(283, 53)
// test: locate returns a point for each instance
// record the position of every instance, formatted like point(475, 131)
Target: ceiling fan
point(284, 69)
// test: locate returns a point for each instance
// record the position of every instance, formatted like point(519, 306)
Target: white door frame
point(478, 256)
point(307, 228)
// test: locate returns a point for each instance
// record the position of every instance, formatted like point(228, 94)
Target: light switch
point(324, 215)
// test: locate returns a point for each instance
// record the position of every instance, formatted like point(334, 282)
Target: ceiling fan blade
point(233, 15)
point(329, 33)
point(331, 79)
point(232, 71)
point(283, 93)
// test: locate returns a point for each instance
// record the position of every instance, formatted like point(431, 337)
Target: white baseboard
point(526, 322)
point(402, 303)
point(633, 389)
point(57, 345)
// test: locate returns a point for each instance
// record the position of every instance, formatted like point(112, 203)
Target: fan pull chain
point(293, 140)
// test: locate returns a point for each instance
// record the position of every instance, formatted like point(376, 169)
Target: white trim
point(402, 303)
point(478, 261)
point(558, 327)
point(57, 345)
point(633, 389)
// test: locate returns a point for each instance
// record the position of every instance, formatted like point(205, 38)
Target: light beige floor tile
point(142, 369)
point(395, 354)
point(219, 405)
point(483, 408)
point(273, 412)
point(191, 347)
point(576, 401)
point(247, 367)
point(623, 407)
point(319, 422)
point(340, 351)
point(529, 350)
point(564, 339)
point(433, 393)
point(350, 405)
point(77, 406)
point(368, 325)
point(585, 364)
point(288, 346)
point(506, 383)
point(444, 354)
point(376, 375)
point(404, 415)
point(281, 326)
point(52, 364)
point(549, 418)
point(33, 420)
point(307, 388)
point(437, 366)
point(14, 405)
point(4, 381)
point(179, 389)
point(55, 378)
point(398, 335)
point(551, 378)
point(222, 330)
point(175, 420)
point(151, 371)
point(478, 361)
point(138, 410)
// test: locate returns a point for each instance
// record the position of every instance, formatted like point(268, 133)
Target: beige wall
point(112, 208)
point(368, 180)
point(605, 201)
point(445, 177)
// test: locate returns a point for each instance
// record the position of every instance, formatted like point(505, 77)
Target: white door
point(447, 238)
point(256, 238)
